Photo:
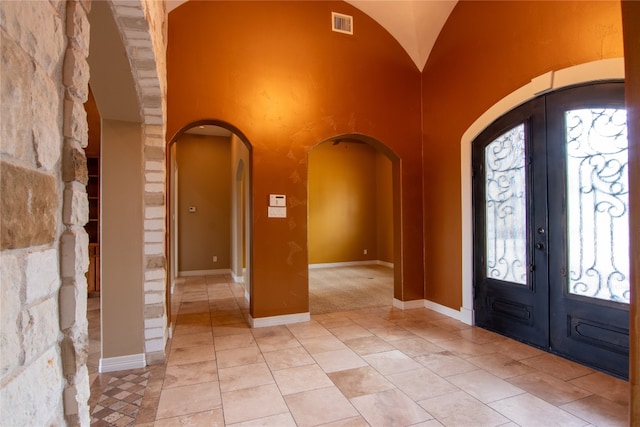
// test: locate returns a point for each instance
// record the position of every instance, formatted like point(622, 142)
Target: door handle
point(540, 246)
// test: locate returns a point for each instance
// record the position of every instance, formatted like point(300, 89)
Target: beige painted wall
point(122, 248)
point(345, 215)
point(204, 165)
point(240, 168)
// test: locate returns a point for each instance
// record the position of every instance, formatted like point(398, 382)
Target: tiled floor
point(378, 366)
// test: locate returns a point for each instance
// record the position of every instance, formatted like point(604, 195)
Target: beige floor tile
point(599, 411)
point(501, 365)
point(190, 373)
point(244, 376)
point(459, 409)
point(516, 350)
point(330, 322)
point(347, 422)
point(185, 329)
point(288, 358)
point(445, 363)
point(203, 318)
point(484, 386)
point(308, 330)
point(271, 331)
point(605, 385)
point(239, 340)
point(184, 355)
point(252, 403)
point(434, 334)
point(188, 400)
point(275, 341)
point(301, 378)
point(420, 384)
point(232, 329)
point(322, 344)
point(391, 362)
point(192, 340)
point(478, 335)
point(429, 423)
point(338, 360)
point(549, 388)
point(212, 418)
point(360, 381)
point(390, 408)
point(226, 319)
point(372, 321)
point(239, 356)
point(557, 366)
point(368, 345)
point(319, 406)
point(393, 333)
point(344, 333)
point(466, 349)
point(280, 420)
point(528, 410)
point(212, 310)
point(416, 346)
point(450, 324)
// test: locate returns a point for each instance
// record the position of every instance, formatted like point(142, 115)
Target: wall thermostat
point(277, 200)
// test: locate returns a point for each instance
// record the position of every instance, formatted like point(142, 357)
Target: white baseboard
point(284, 319)
point(204, 272)
point(408, 305)
point(350, 264)
point(465, 316)
point(385, 263)
point(122, 363)
point(236, 278)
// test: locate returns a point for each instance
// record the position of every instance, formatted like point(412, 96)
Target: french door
point(551, 227)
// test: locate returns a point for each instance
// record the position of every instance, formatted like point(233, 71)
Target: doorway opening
point(353, 205)
point(209, 204)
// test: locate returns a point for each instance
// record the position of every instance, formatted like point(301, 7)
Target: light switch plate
point(277, 212)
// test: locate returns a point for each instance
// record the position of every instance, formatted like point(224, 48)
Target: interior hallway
point(374, 366)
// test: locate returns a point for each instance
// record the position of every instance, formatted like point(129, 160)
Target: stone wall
point(43, 208)
point(43, 201)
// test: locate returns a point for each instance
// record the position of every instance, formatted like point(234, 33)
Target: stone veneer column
point(143, 25)
point(43, 208)
point(74, 241)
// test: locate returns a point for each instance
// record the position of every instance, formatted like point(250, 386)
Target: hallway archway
point(354, 228)
point(235, 258)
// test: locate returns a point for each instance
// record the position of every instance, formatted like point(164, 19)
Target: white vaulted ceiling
point(415, 24)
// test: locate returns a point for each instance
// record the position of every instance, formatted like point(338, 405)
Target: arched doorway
point(353, 228)
point(222, 227)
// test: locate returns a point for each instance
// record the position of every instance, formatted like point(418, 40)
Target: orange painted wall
point(276, 72)
point(485, 51)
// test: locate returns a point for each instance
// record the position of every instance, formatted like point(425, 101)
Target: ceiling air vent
point(341, 23)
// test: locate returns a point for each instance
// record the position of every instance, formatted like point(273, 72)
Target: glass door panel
point(506, 207)
point(598, 203)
